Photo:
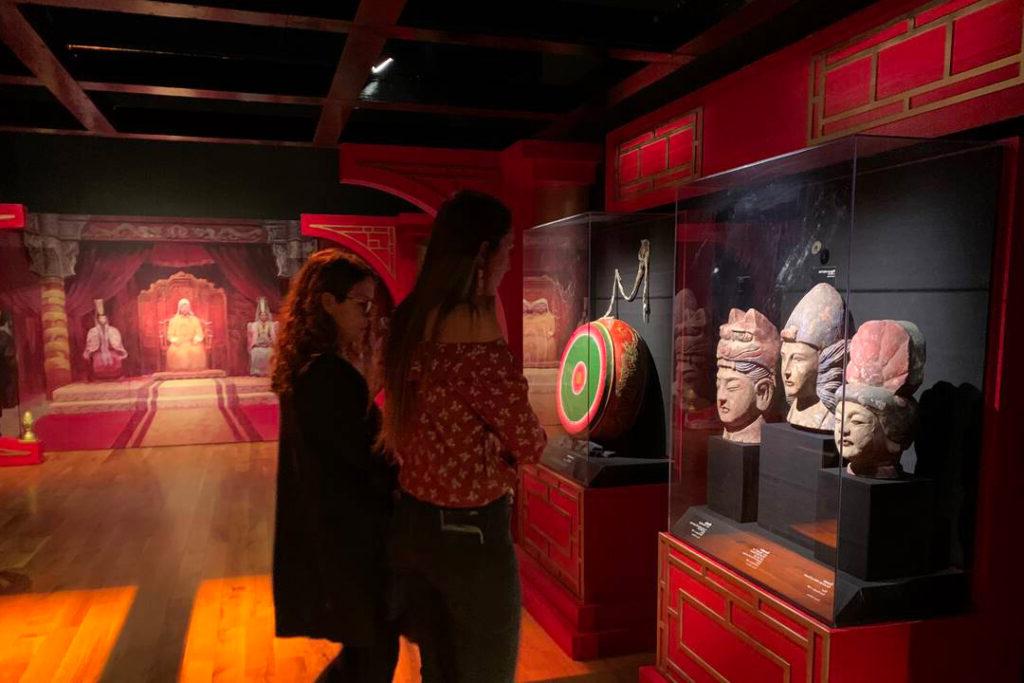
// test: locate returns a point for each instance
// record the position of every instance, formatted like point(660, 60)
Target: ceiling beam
point(362, 50)
point(154, 136)
point(200, 93)
point(20, 80)
point(740, 22)
point(155, 8)
point(27, 46)
point(516, 43)
point(449, 110)
point(172, 10)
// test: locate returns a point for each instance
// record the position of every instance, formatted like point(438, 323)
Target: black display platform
point(732, 478)
point(604, 472)
point(885, 525)
point(836, 597)
point(790, 461)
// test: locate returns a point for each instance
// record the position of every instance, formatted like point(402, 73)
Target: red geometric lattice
point(939, 54)
point(660, 157)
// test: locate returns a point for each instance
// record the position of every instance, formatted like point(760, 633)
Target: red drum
point(601, 379)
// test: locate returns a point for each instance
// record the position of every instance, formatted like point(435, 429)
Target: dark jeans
point(372, 664)
point(457, 588)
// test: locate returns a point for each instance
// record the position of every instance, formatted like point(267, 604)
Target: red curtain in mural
point(19, 294)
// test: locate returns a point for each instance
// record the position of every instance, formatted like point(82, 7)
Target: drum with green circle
point(601, 379)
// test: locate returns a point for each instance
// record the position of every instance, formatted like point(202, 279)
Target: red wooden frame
point(12, 216)
point(15, 452)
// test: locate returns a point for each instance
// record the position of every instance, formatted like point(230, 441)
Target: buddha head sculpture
point(748, 351)
point(813, 351)
point(876, 419)
point(691, 351)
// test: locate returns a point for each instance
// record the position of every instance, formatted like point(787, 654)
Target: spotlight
point(383, 65)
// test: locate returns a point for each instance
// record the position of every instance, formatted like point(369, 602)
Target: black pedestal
point(732, 479)
point(791, 459)
point(885, 525)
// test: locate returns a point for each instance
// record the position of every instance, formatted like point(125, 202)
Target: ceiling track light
point(383, 65)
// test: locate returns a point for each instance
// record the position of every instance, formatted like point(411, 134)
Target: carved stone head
point(748, 351)
point(813, 351)
point(878, 415)
point(691, 345)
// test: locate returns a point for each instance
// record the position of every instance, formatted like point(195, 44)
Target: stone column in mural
point(289, 247)
point(54, 260)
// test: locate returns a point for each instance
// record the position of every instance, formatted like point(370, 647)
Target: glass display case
point(597, 346)
point(830, 320)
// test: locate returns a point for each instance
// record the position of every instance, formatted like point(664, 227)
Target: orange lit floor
point(153, 565)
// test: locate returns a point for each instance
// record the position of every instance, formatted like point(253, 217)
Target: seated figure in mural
point(103, 347)
point(185, 350)
point(262, 335)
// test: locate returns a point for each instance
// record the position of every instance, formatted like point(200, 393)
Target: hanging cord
point(641, 277)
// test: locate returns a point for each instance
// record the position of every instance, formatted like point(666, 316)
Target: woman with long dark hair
point(458, 420)
point(334, 488)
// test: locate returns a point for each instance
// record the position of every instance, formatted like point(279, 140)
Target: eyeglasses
point(366, 304)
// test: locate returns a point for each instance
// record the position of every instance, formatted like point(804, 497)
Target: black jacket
point(333, 507)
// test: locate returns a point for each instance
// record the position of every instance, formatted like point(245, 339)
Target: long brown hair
point(305, 328)
point(464, 223)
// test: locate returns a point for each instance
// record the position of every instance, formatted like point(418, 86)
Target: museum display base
point(732, 478)
point(588, 561)
point(787, 501)
point(885, 525)
point(15, 452)
point(715, 625)
point(584, 631)
point(600, 472)
point(835, 598)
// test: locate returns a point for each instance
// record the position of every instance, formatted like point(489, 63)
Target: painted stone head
point(878, 414)
point(813, 352)
point(690, 343)
point(748, 351)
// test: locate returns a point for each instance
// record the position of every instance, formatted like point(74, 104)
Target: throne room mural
point(126, 332)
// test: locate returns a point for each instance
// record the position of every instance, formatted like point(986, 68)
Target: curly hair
point(305, 327)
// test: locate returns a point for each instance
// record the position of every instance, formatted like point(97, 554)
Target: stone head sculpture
point(875, 421)
point(748, 351)
point(690, 342)
point(813, 351)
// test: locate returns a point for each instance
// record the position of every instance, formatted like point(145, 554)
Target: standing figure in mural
point(185, 337)
point(8, 364)
point(262, 335)
point(103, 347)
point(748, 351)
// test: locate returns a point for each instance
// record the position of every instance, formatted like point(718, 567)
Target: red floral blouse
point(472, 426)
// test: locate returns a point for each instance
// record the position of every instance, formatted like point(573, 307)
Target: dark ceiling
point(465, 73)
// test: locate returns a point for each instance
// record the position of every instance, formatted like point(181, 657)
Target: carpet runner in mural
point(160, 411)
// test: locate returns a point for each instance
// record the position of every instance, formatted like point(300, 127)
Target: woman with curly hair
point(333, 486)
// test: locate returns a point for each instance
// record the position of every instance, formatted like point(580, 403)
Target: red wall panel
point(898, 67)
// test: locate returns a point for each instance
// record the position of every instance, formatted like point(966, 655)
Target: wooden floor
point(153, 565)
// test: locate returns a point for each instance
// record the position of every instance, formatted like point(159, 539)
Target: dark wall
point(64, 174)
